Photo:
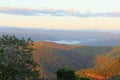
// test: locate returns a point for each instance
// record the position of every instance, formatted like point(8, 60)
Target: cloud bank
point(54, 12)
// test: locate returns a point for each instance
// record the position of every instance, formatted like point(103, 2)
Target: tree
point(16, 60)
point(84, 78)
point(81, 78)
point(65, 74)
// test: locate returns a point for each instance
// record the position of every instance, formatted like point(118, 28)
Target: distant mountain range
point(77, 37)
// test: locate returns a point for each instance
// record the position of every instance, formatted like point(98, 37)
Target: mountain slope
point(106, 65)
point(52, 56)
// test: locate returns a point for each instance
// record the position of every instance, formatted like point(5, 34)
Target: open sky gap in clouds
point(54, 12)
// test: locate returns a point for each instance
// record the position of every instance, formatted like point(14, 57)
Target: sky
point(61, 14)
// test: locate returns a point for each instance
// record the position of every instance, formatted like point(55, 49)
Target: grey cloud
point(38, 12)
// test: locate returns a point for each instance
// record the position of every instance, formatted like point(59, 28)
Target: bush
point(84, 78)
point(68, 74)
point(65, 74)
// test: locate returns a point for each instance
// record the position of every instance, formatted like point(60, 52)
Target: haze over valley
point(75, 37)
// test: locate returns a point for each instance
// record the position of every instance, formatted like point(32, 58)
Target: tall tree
point(16, 60)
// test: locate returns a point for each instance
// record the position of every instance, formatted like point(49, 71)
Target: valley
point(52, 56)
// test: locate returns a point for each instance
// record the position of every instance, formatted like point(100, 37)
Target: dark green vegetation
point(68, 74)
point(16, 60)
point(52, 56)
point(84, 78)
point(65, 74)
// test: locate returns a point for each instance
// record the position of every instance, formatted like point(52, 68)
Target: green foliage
point(115, 78)
point(84, 78)
point(118, 79)
point(68, 74)
point(81, 78)
point(77, 77)
point(1, 50)
point(16, 61)
point(65, 74)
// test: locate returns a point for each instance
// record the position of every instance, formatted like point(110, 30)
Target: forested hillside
point(52, 56)
point(106, 65)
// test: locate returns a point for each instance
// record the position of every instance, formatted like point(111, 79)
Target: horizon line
point(84, 30)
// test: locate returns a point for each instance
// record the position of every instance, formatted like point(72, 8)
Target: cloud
point(53, 12)
point(28, 12)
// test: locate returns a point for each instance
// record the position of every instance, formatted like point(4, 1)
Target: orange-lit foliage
point(107, 65)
